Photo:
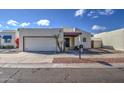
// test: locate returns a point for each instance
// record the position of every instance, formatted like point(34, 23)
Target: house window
point(7, 38)
point(84, 39)
point(67, 42)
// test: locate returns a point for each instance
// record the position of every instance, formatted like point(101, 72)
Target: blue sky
point(91, 20)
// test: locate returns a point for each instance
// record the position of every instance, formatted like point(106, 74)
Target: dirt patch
point(88, 60)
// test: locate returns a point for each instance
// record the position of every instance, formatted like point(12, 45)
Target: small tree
point(57, 41)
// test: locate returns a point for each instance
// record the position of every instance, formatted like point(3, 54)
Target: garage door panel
point(40, 44)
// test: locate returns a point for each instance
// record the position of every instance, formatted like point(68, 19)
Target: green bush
point(8, 47)
point(76, 48)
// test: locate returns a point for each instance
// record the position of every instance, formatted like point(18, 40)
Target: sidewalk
point(61, 65)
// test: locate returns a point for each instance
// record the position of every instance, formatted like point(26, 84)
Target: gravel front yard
point(88, 60)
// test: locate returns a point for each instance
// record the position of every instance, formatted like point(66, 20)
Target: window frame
point(84, 39)
point(7, 40)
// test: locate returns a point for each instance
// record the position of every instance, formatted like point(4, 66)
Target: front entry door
point(66, 44)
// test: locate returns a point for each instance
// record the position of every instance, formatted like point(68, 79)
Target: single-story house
point(52, 39)
point(113, 39)
point(7, 38)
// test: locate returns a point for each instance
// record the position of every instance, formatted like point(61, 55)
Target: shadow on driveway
point(104, 63)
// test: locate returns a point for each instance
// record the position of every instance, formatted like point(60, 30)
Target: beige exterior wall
point(79, 40)
point(96, 43)
point(14, 35)
point(39, 32)
point(113, 39)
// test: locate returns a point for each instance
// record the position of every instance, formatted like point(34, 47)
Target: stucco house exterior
point(113, 39)
point(60, 39)
point(77, 37)
point(37, 39)
point(96, 42)
point(8, 37)
point(52, 39)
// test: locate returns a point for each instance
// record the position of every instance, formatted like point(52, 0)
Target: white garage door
point(39, 44)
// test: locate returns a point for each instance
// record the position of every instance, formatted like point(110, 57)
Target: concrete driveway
point(40, 57)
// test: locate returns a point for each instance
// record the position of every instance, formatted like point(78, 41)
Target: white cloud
point(106, 12)
point(43, 22)
point(80, 12)
point(12, 22)
point(94, 13)
point(24, 24)
point(0, 25)
point(96, 16)
point(98, 28)
point(90, 13)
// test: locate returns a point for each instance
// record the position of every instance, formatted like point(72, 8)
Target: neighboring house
point(7, 38)
point(113, 39)
point(52, 39)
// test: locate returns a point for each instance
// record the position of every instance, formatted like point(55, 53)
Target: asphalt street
point(62, 75)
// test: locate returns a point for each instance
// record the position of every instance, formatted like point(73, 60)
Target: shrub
point(8, 47)
point(76, 48)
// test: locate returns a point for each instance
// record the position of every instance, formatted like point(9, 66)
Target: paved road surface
point(64, 75)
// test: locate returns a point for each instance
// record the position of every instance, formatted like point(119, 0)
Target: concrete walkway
point(60, 65)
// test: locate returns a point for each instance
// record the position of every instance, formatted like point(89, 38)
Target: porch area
point(70, 40)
